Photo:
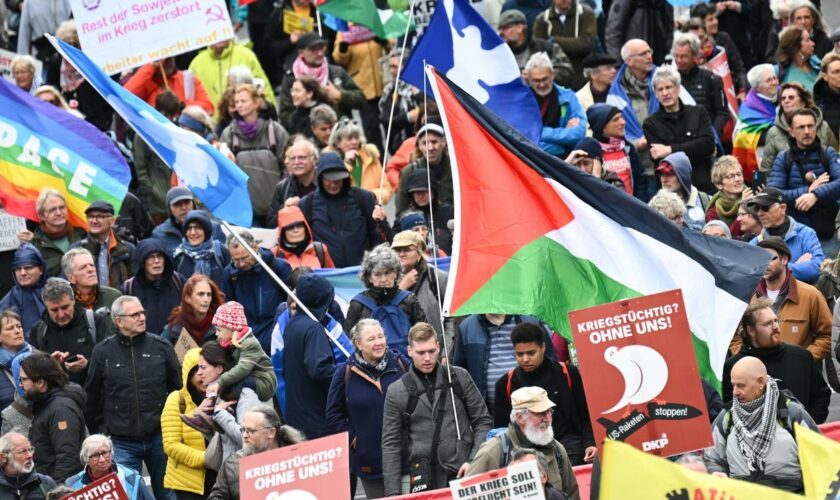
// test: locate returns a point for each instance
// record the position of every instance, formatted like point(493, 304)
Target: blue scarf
point(27, 302)
point(202, 256)
point(618, 97)
point(7, 356)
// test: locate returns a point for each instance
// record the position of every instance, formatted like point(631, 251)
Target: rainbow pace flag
point(536, 236)
point(755, 116)
point(44, 146)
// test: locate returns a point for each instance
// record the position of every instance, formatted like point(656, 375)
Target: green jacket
point(251, 361)
point(153, 177)
point(52, 253)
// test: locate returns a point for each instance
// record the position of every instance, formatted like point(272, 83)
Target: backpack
point(562, 367)
point(414, 394)
point(782, 414)
point(348, 369)
point(90, 318)
point(393, 320)
point(235, 148)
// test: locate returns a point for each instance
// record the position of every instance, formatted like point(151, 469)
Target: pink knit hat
point(231, 315)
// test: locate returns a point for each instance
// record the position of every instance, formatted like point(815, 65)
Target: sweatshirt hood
point(316, 293)
point(202, 218)
point(28, 254)
point(682, 168)
point(144, 249)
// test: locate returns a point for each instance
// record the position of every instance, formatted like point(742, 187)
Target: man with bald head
point(754, 441)
point(793, 366)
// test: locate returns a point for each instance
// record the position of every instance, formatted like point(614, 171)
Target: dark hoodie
point(209, 258)
point(159, 296)
point(26, 301)
point(308, 359)
point(58, 429)
point(343, 221)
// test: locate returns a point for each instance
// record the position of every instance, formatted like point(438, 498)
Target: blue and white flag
point(461, 45)
point(215, 180)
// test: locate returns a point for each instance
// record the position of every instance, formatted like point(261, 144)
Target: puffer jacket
point(309, 257)
point(58, 429)
point(160, 296)
point(128, 381)
point(801, 239)
point(51, 252)
point(262, 161)
point(131, 481)
point(576, 36)
point(183, 445)
point(27, 302)
point(778, 138)
point(793, 184)
point(706, 88)
point(227, 482)
point(120, 253)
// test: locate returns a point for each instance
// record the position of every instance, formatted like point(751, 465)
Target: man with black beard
point(514, 31)
point(530, 427)
point(262, 430)
point(18, 478)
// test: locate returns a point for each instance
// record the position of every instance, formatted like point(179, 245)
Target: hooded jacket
point(287, 217)
point(308, 360)
point(258, 293)
point(696, 203)
point(777, 140)
point(58, 429)
point(26, 301)
point(801, 239)
point(171, 233)
point(210, 258)
point(343, 221)
point(159, 296)
point(184, 446)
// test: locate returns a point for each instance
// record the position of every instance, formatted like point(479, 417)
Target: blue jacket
point(258, 293)
point(559, 141)
point(158, 297)
point(308, 360)
point(801, 239)
point(472, 349)
point(171, 234)
point(357, 408)
point(130, 480)
point(209, 258)
point(793, 184)
point(27, 302)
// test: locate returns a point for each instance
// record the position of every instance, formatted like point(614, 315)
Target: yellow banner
point(819, 457)
point(294, 23)
point(629, 473)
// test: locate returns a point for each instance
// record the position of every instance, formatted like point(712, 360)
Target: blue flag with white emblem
point(211, 176)
point(461, 45)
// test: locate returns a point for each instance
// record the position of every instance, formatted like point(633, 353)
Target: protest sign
point(312, 469)
point(719, 65)
point(515, 482)
point(296, 23)
point(640, 374)
point(6, 58)
point(10, 226)
point(184, 344)
point(122, 34)
point(106, 488)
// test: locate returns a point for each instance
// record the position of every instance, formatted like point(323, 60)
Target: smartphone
point(71, 359)
point(759, 179)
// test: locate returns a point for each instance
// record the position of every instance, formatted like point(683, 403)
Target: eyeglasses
point(24, 378)
point(789, 97)
point(541, 81)
point(55, 210)
point(542, 414)
point(248, 431)
point(99, 456)
point(642, 54)
point(92, 217)
point(134, 316)
point(294, 159)
point(775, 257)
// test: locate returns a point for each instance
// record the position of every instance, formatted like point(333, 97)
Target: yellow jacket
point(361, 60)
point(184, 446)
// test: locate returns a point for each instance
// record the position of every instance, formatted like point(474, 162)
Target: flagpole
point(434, 253)
point(394, 102)
point(280, 282)
point(318, 18)
point(163, 74)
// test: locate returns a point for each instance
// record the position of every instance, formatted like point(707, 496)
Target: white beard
point(537, 436)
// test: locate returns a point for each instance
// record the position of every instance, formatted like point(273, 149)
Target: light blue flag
point(461, 45)
point(218, 182)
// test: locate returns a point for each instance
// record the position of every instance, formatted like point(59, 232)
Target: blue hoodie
point(27, 301)
point(308, 359)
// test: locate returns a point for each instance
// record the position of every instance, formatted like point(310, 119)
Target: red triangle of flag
point(501, 203)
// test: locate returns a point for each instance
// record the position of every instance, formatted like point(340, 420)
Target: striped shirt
point(501, 358)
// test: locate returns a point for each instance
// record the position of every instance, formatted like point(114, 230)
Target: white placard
point(6, 65)
point(519, 481)
point(10, 226)
point(122, 34)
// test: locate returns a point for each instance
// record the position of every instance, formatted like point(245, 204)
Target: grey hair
point(67, 259)
point(285, 434)
point(6, 444)
point(538, 60)
point(668, 204)
point(361, 325)
point(303, 140)
point(67, 32)
point(625, 49)
point(92, 443)
point(686, 39)
point(521, 453)
point(819, 22)
point(381, 258)
point(241, 74)
point(667, 73)
point(198, 114)
point(24, 60)
point(755, 73)
point(322, 113)
point(245, 235)
point(118, 309)
point(589, 72)
point(45, 195)
point(56, 289)
point(344, 129)
point(516, 412)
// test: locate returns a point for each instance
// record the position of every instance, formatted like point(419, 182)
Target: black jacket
point(73, 338)
point(32, 486)
point(287, 188)
point(828, 100)
point(128, 381)
point(58, 429)
point(795, 370)
point(707, 90)
point(688, 130)
point(158, 297)
point(120, 268)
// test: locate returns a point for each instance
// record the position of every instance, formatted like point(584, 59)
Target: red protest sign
point(319, 467)
point(719, 65)
point(106, 488)
point(640, 374)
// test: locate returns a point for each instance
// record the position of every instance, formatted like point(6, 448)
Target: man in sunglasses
point(806, 254)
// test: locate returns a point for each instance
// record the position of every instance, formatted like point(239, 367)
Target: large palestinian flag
point(534, 235)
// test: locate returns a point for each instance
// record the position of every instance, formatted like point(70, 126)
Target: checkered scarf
point(755, 425)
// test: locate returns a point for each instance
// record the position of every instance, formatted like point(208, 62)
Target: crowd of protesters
point(333, 141)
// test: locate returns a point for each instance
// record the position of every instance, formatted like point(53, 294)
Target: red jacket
point(147, 85)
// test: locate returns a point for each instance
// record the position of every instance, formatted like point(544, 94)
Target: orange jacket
point(285, 218)
point(147, 85)
point(399, 161)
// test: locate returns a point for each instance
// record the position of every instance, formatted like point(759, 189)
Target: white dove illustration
point(644, 370)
